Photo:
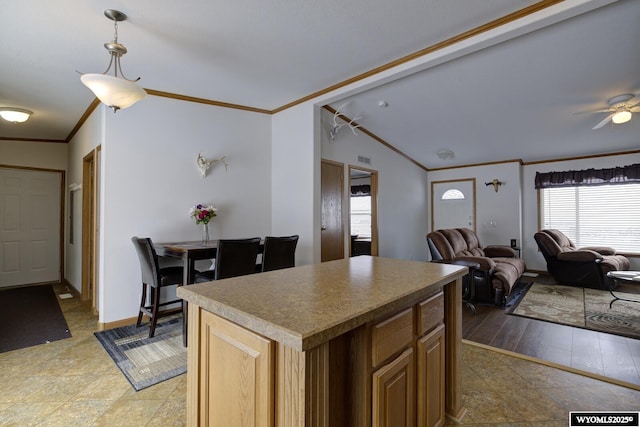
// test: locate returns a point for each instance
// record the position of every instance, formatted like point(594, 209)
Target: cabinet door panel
point(237, 377)
point(430, 375)
point(393, 393)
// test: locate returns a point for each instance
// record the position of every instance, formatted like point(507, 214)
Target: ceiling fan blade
point(604, 122)
point(604, 110)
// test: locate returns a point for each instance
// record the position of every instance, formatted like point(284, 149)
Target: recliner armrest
point(579, 256)
point(484, 263)
point(602, 250)
point(495, 251)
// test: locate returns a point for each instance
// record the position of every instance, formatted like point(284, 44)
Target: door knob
point(323, 228)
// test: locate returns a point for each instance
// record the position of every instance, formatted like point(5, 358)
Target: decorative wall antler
point(496, 183)
point(204, 164)
point(333, 132)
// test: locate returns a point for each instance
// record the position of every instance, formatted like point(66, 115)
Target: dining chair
point(279, 252)
point(234, 257)
point(153, 279)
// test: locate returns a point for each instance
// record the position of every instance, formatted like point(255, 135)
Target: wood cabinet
point(410, 387)
point(237, 377)
point(253, 361)
point(393, 392)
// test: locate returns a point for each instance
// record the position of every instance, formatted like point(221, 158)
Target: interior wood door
point(30, 226)
point(332, 189)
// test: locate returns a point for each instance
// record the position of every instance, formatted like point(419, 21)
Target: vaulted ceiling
point(513, 97)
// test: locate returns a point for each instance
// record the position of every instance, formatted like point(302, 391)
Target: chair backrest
point(450, 243)
point(279, 252)
point(236, 257)
point(551, 242)
point(149, 265)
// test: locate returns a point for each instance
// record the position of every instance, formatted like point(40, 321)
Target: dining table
point(189, 252)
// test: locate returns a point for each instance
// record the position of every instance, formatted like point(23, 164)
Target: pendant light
point(115, 91)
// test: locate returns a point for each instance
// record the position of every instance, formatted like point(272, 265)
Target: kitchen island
point(364, 341)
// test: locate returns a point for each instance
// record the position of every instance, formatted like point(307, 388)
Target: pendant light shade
point(114, 91)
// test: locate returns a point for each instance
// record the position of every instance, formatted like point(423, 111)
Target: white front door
point(29, 226)
point(453, 204)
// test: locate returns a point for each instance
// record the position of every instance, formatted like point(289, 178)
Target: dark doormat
point(30, 316)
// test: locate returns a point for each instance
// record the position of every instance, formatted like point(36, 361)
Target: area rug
point(147, 361)
point(30, 316)
point(582, 307)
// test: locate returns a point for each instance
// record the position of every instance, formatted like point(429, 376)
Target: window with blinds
point(603, 215)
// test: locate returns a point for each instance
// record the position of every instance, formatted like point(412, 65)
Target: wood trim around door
point(88, 227)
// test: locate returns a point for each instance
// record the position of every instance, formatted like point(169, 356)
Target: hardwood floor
point(595, 353)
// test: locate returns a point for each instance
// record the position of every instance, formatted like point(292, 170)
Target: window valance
point(617, 175)
point(360, 190)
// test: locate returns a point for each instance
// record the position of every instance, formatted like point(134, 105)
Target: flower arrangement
point(202, 214)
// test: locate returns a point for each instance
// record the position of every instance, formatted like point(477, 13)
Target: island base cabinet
point(393, 393)
point(385, 373)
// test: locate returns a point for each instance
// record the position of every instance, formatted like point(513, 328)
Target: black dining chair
point(279, 252)
point(234, 257)
point(153, 279)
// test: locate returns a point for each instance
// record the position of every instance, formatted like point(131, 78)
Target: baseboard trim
point(555, 365)
point(103, 326)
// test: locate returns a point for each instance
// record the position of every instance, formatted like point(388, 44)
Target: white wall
point(498, 217)
point(295, 185)
point(88, 137)
point(402, 191)
point(43, 155)
point(151, 180)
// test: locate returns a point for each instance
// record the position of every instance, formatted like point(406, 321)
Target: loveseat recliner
point(499, 266)
point(585, 267)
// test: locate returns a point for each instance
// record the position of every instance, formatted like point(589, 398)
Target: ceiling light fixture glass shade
point(621, 117)
point(15, 115)
point(115, 91)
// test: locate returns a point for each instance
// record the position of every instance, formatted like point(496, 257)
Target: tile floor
point(74, 382)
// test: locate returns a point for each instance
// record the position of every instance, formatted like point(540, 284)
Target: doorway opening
point(363, 212)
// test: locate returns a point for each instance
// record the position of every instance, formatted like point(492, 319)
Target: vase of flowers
point(202, 215)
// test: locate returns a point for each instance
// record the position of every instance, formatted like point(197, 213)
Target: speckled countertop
point(305, 306)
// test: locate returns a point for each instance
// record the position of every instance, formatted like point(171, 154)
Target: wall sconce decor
point(496, 183)
point(333, 132)
point(204, 164)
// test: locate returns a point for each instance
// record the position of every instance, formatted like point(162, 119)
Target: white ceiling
point(514, 100)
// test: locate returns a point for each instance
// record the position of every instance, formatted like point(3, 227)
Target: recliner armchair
point(499, 266)
point(586, 267)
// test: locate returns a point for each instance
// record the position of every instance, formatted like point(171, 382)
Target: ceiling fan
point(620, 110)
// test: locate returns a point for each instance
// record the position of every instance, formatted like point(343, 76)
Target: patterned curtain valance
point(617, 175)
point(360, 190)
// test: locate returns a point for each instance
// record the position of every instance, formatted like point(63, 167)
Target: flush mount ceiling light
point(445, 154)
point(115, 91)
point(15, 115)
